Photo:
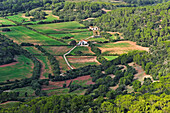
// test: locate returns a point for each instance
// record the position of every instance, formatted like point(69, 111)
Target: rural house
point(83, 43)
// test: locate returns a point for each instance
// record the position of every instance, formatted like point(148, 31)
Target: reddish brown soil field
point(82, 59)
point(55, 85)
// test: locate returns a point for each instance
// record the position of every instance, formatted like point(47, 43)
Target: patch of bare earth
point(115, 87)
point(140, 73)
point(58, 29)
point(105, 10)
point(121, 50)
point(23, 15)
point(88, 19)
point(10, 64)
point(8, 102)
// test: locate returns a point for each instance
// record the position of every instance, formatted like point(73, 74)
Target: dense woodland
point(148, 26)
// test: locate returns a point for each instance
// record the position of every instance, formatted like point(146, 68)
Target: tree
point(6, 30)
point(73, 43)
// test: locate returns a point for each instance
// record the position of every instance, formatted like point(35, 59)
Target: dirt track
point(11, 64)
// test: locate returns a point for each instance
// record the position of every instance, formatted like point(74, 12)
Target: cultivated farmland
point(21, 34)
point(22, 69)
point(120, 47)
point(5, 22)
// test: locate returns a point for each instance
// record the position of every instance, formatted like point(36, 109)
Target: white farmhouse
point(83, 43)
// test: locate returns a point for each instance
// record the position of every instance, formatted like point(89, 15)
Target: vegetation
point(134, 81)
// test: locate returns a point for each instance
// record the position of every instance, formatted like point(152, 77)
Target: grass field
point(57, 50)
point(80, 61)
point(98, 39)
point(5, 22)
point(84, 50)
point(63, 66)
point(32, 50)
point(17, 18)
point(46, 66)
point(21, 34)
point(109, 58)
point(58, 27)
point(23, 69)
point(111, 45)
point(29, 90)
point(120, 47)
point(75, 36)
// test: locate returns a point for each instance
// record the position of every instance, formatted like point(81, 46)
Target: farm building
point(83, 43)
point(95, 28)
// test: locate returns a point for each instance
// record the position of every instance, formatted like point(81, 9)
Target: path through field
point(10, 64)
point(66, 58)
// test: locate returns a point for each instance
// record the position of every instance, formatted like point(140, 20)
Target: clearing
point(140, 73)
point(120, 47)
point(110, 58)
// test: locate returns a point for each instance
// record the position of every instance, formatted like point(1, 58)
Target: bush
point(6, 29)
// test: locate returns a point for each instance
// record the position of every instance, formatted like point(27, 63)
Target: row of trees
point(53, 62)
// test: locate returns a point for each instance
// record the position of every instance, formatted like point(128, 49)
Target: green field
point(109, 58)
point(58, 27)
point(78, 65)
point(84, 50)
point(22, 91)
point(45, 61)
point(23, 69)
point(75, 36)
point(21, 34)
point(57, 50)
point(98, 39)
point(111, 45)
point(17, 18)
point(32, 50)
point(6, 22)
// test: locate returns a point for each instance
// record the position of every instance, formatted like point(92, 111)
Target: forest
point(114, 87)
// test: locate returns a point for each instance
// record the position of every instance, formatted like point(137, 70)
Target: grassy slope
point(6, 22)
point(45, 61)
point(23, 69)
point(21, 34)
point(56, 27)
point(110, 45)
point(109, 58)
point(57, 50)
point(32, 50)
point(84, 50)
